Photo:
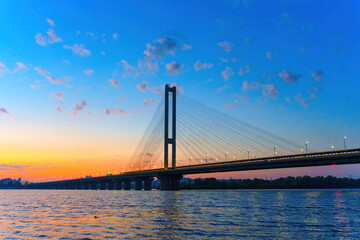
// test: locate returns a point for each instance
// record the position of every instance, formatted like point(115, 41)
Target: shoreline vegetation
point(305, 182)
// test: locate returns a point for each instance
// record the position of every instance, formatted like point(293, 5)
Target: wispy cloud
point(226, 46)
point(244, 70)
point(3, 111)
point(20, 66)
point(8, 167)
point(128, 69)
point(143, 87)
point(222, 88)
point(41, 71)
point(179, 89)
point(227, 73)
point(40, 39)
point(317, 75)
point(114, 82)
point(161, 48)
point(269, 55)
point(148, 101)
point(233, 105)
point(88, 72)
point(54, 80)
point(115, 36)
point(79, 107)
point(115, 111)
point(53, 38)
point(252, 85)
point(122, 98)
point(288, 77)
point(174, 68)
point(51, 22)
point(270, 90)
point(3, 68)
point(301, 100)
point(59, 95)
point(78, 49)
point(312, 92)
point(186, 47)
point(198, 65)
point(158, 91)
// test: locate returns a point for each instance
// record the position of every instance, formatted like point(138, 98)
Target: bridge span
point(170, 178)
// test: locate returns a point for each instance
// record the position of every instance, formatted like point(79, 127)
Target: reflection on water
point(236, 214)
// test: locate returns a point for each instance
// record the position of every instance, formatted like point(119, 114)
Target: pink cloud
point(4, 111)
point(312, 92)
point(89, 113)
point(163, 46)
point(227, 73)
point(41, 70)
point(246, 85)
point(198, 65)
point(79, 107)
point(224, 60)
point(115, 111)
point(268, 55)
point(179, 89)
point(102, 53)
point(143, 87)
point(233, 105)
point(20, 66)
point(222, 88)
point(3, 68)
point(300, 100)
point(59, 95)
point(78, 49)
point(53, 38)
point(115, 36)
point(226, 46)
point(114, 83)
point(51, 22)
point(121, 98)
point(54, 80)
point(88, 72)
point(186, 47)
point(59, 110)
point(317, 75)
point(32, 86)
point(173, 68)
point(127, 68)
point(40, 39)
point(148, 101)
point(288, 77)
point(244, 70)
point(158, 91)
point(270, 90)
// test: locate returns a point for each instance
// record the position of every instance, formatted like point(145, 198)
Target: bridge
point(209, 141)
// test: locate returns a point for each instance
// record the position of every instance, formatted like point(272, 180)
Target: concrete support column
point(147, 183)
point(111, 185)
point(138, 184)
point(170, 182)
point(164, 182)
point(127, 184)
point(118, 184)
point(175, 182)
point(103, 185)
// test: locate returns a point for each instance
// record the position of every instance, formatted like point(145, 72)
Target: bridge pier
point(93, 185)
point(111, 185)
point(118, 184)
point(127, 184)
point(147, 183)
point(170, 182)
point(138, 184)
point(103, 185)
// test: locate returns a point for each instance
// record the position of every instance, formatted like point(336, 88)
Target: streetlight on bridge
point(306, 146)
point(345, 142)
point(332, 147)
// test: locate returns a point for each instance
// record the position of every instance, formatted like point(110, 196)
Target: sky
point(79, 81)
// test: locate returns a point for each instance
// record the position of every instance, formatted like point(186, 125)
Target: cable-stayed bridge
point(187, 137)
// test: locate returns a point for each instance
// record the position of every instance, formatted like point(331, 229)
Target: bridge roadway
point(170, 178)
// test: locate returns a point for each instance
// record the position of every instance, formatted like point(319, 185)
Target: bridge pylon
point(172, 140)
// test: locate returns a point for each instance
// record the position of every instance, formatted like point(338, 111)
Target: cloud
point(268, 55)
point(174, 68)
point(3, 111)
point(3, 68)
point(41, 71)
point(300, 100)
point(312, 92)
point(143, 87)
point(186, 47)
point(127, 68)
point(226, 46)
point(114, 83)
point(224, 60)
point(8, 167)
point(121, 98)
point(51, 22)
point(246, 85)
point(288, 77)
point(92, 35)
point(244, 70)
point(222, 88)
point(40, 39)
point(53, 38)
point(79, 107)
point(179, 89)
point(198, 65)
point(54, 80)
point(78, 49)
point(233, 105)
point(115, 111)
point(148, 101)
point(20, 66)
point(270, 90)
point(317, 75)
point(163, 46)
point(102, 53)
point(88, 72)
point(115, 36)
point(59, 95)
point(227, 73)
point(158, 91)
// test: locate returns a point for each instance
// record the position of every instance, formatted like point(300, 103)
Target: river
point(188, 214)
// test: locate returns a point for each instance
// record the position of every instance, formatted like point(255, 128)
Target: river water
point(197, 214)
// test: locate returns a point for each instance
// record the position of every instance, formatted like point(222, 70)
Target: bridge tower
point(171, 140)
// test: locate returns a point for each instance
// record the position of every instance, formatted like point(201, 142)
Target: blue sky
point(92, 69)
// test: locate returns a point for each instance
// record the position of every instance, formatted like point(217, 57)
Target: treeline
point(305, 182)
